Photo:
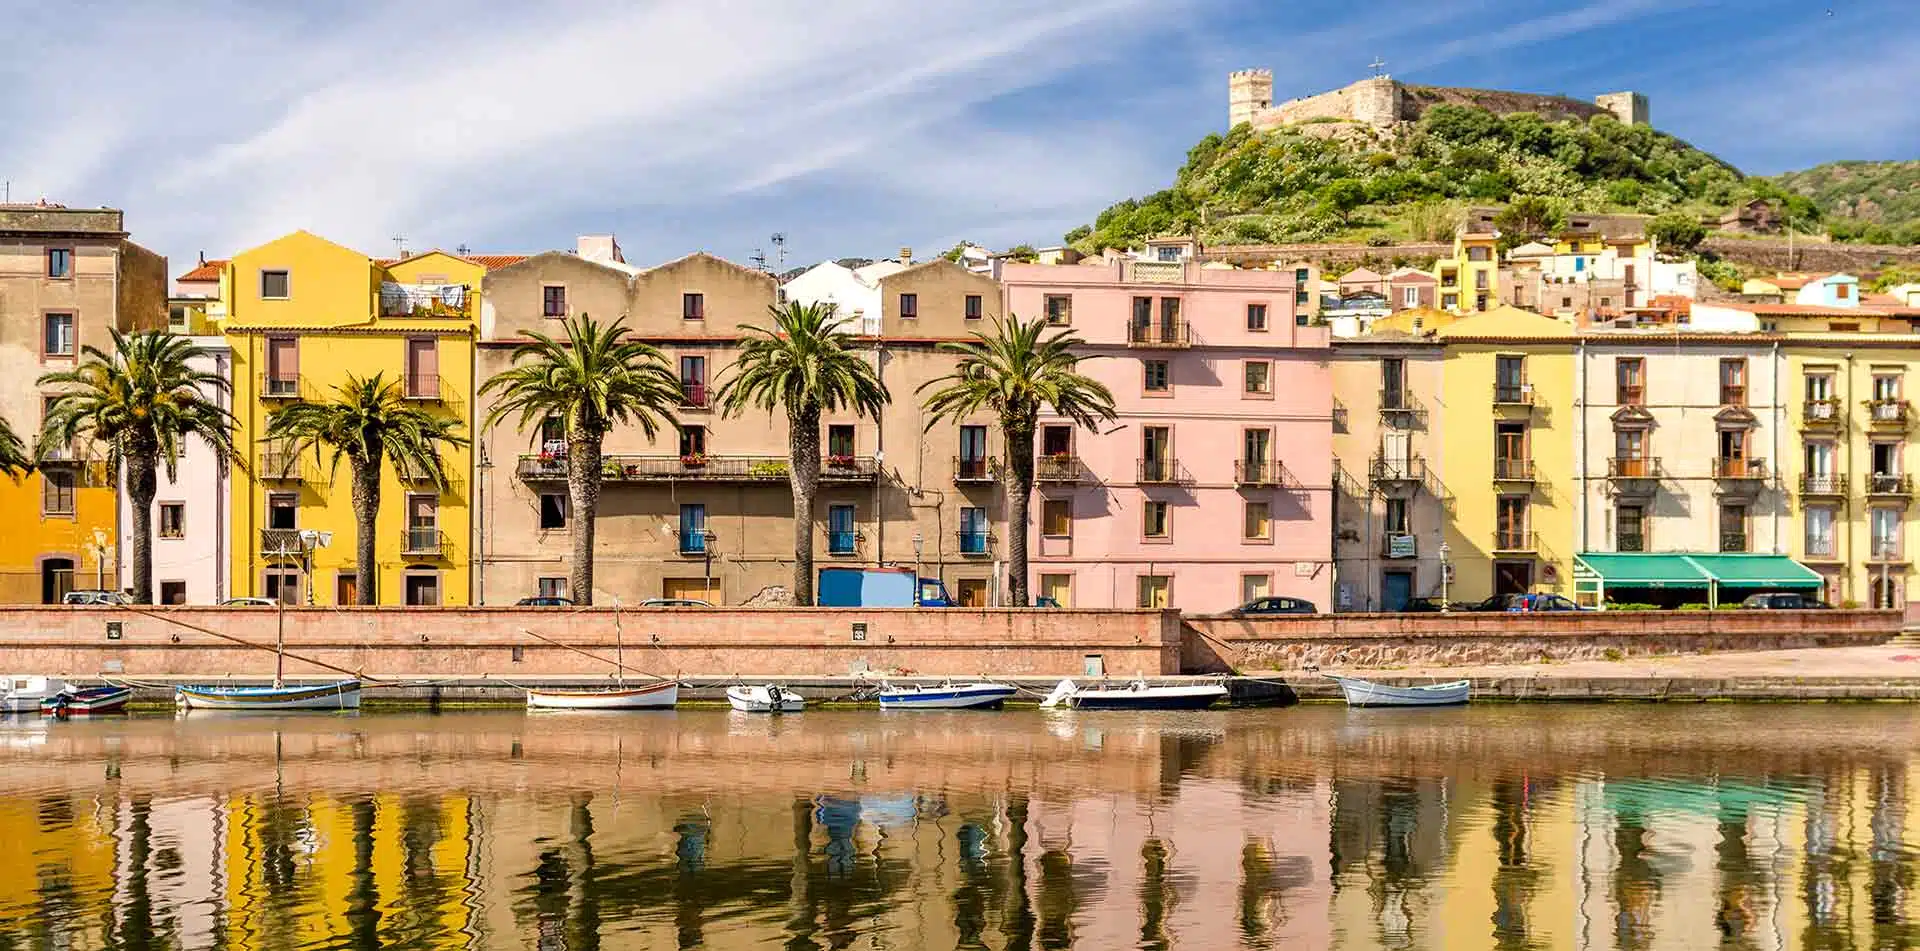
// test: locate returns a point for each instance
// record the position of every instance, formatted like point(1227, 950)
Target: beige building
point(705, 511)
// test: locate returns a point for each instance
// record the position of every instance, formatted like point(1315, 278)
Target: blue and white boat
point(1366, 693)
point(945, 696)
point(341, 695)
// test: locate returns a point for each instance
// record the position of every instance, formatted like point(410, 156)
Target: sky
point(854, 128)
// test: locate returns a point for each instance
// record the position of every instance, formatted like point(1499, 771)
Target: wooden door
point(698, 589)
point(971, 592)
point(346, 588)
point(423, 367)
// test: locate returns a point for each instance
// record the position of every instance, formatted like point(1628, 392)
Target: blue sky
point(853, 127)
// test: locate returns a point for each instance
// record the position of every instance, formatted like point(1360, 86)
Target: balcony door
point(1393, 383)
point(1156, 452)
point(1733, 452)
point(1630, 451)
point(1510, 376)
point(1396, 451)
point(1056, 440)
point(423, 367)
point(1256, 451)
point(283, 366)
point(973, 452)
point(423, 522)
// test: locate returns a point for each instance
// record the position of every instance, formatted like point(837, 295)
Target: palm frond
point(805, 363)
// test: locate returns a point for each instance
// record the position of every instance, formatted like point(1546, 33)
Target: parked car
point(1783, 601)
point(95, 596)
point(545, 602)
point(1427, 606)
point(1276, 606)
point(1526, 603)
point(249, 603)
point(674, 603)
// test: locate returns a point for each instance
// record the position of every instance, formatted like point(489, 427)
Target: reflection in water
point(1583, 828)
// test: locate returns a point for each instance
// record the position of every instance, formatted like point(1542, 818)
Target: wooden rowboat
point(1366, 693)
point(660, 696)
point(343, 695)
point(87, 701)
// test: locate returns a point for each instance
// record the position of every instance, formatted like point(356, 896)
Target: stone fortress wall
point(1383, 102)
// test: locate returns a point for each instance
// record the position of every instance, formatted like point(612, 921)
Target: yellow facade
point(1509, 469)
point(1470, 280)
point(298, 337)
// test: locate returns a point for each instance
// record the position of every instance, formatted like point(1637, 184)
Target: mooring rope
point(246, 643)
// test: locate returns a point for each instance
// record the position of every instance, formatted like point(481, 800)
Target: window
point(553, 511)
point(1818, 457)
point(973, 530)
point(283, 585)
point(1168, 253)
point(1393, 383)
point(1840, 291)
point(973, 307)
point(423, 524)
point(59, 263)
point(693, 444)
point(973, 452)
point(1733, 382)
point(1566, 302)
point(1056, 440)
point(1257, 373)
point(693, 381)
point(1819, 532)
point(1255, 587)
point(173, 520)
point(1257, 525)
point(283, 366)
point(693, 306)
point(283, 511)
point(1256, 317)
point(1059, 309)
point(1256, 448)
point(1630, 452)
point(1398, 520)
point(1820, 404)
point(553, 435)
point(1156, 454)
point(1510, 457)
point(422, 588)
point(1480, 302)
point(1884, 524)
point(1450, 301)
point(693, 529)
point(59, 335)
point(1733, 527)
point(909, 306)
point(1059, 588)
point(1056, 518)
point(1629, 528)
point(57, 492)
point(553, 300)
point(1510, 525)
point(1154, 519)
point(840, 440)
point(423, 368)
point(1155, 372)
point(1630, 381)
point(275, 285)
point(1479, 280)
point(1301, 298)
point(1156, 591)
point(1301, 275)
point(1509, 379)
point(553, 587)
point(1886, 459)
point(173, 592)
point(841, 537)
point(1169, 318)
point(1886, 395)
point(1477, 253)
point(1409, 297)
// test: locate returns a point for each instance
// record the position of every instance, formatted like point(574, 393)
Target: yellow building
point(302, 313)
point(1509, 471)
point(1470, 280)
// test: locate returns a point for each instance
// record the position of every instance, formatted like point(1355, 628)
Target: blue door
point(1396, 589)
point(973, 531)
point(693, 529)
point(840, 537)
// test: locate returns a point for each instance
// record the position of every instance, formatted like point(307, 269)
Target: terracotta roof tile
point(208, 272)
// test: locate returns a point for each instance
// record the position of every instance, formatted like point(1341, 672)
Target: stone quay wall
point(1219, 643)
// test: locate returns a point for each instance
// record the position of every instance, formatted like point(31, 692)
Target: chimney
point(203, 257)
point(599, 247)
point(906, 255)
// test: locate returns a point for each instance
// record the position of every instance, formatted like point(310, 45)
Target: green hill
point(1342, 181)
point(1874, 202)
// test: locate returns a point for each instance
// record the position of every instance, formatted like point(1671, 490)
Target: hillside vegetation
point(1873, 202)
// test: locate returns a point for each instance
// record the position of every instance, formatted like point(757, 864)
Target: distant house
point(1832, 290)
point(1755, 217)
point(1361, 280)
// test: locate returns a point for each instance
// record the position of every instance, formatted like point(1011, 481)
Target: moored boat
point(945, 696)
point(1366, 693)
point(25, 693)
point(1137, 695)
point(660, 696)
point(342, 695)
point(87, 701)
point(765, 698)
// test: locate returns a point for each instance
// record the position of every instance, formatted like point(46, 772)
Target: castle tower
point(1628, 107)
point(1249, 93)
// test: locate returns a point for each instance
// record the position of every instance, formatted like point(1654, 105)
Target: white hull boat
point(660, 696)
point(24, 694)
point(1138, 695)
point(945, 696)
point(344, 695)
point(765, 698)
point(1366, 693)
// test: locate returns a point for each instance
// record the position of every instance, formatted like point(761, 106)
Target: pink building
point(1214, 485)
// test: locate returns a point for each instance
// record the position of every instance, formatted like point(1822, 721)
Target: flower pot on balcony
point(694, 461)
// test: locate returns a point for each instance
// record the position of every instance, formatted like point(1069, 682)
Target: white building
point(190, 511)
point(854, 292)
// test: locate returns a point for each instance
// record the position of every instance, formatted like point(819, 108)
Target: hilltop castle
point(1383, 101)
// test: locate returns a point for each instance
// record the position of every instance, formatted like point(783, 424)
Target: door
point(693, 380)
point(423, 368)
point(1396, 589)
point(697, 589)
point(840, 536)
point(1056, 440)
point(1512, 577)
point(56, 579)
point(283, 366)
point(973, 452)
point(971, 592)
point(423, 523)
point(1396, 449)
point(1255, 452)
point(1733, 452)
point(1155, 441)
point(1393, 372)
point(346, 588)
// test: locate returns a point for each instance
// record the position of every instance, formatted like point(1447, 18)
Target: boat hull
point(651, 697)
point(765, 700)
point(1366, 693)
point(946, 697)
point(1153, 698)
point(26, 694)
point(344, 695)
point(87, 701)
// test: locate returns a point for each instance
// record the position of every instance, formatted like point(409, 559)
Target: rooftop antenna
point(759, 258)
point(1378, 66)
point(400, 242)
point(462, 249)
point(6, 192)
point(780, 250)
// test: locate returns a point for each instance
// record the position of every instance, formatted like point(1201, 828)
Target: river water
point(1676, 826)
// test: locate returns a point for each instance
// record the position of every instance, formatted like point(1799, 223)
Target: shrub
point(1676, 231)
point(1379, 239)
point(1613, 653)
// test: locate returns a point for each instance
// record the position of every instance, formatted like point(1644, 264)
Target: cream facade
point(1391, 502)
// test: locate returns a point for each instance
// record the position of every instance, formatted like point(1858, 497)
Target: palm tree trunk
point(803, 470)
point(583, 503)
point(1019, 502)
point(142, 486)
point(366, 508)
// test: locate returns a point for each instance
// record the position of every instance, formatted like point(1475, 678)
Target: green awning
point(1688, 570)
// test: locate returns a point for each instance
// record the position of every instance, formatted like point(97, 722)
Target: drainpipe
point(1846, 572)
point(1778, 407)
point(1580, 436)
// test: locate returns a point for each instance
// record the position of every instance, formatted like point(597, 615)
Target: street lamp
point(919, 543)
point(1444, 572)
point(308, 539)
point(100, 548)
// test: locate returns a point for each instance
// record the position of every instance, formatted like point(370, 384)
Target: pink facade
point(189, 514)
point(1214, 485)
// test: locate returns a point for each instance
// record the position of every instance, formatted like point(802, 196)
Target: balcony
point(423, 300)
point(1513, 470)
point(975, 542)
point(422, 387)
point(1160, 334)
point(843, 542)
point(693, 396)
point(670, 469)
point(1259, 472)
point(1886, 485)
point(1385, 471)
point(1634, 475)
point(1823, 484)
point(973, 471)
point(1733, 394)
point(1822, 414)
point(1516, 542)
point(280, 542)
point(1738, 470)
point(1733, 541)
point(281, 386)
point(424, 542)
point(1630, 394)
point(1887, 414)
point(1399, 406)
point(1513, 394)
point(280, 466)
point(1059, 468)
point(1885, 551)
point(1162, 472)
point(47, 456)
point(1157, 272)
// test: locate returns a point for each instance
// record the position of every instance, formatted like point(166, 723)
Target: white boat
point(342, 695)
point(24, 694)
point(945, 696)
point(765, 698)
point(1366, 693)
point(1137, 695)
point(660, 696)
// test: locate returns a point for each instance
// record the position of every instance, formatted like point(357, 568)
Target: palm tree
point(1014, 373)
point(14, 460)
point(597, 378)
point(142, 402)
point(368, 424)
point(806, 364)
